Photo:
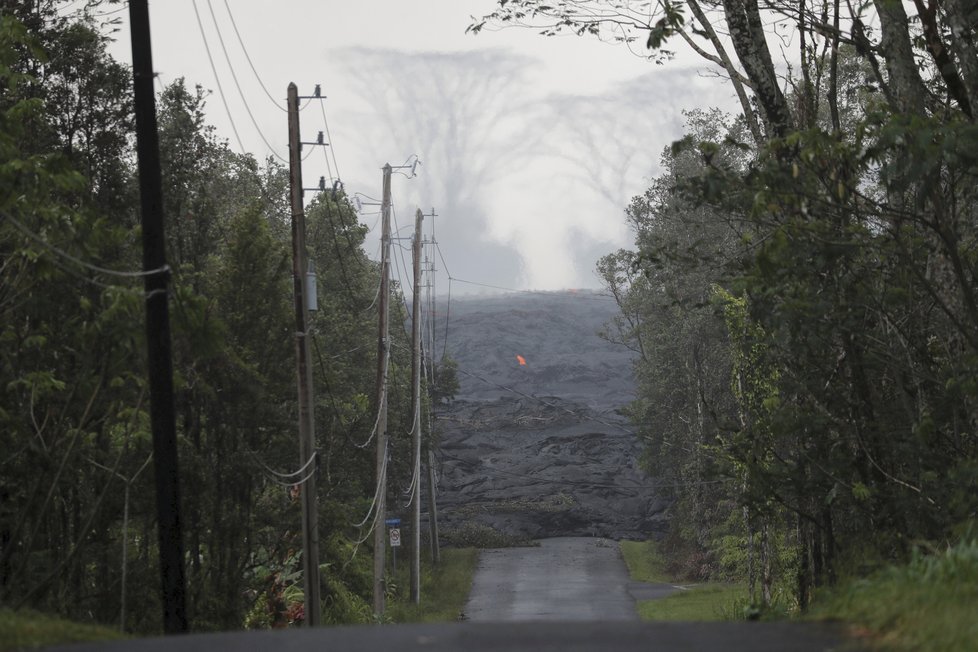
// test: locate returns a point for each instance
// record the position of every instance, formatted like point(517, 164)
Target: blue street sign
point(393, 522)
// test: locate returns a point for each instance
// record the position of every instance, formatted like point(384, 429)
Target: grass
point(645, 562)
point(700, 602)
point(928, 604)
point(28, 630)
point(444, 589)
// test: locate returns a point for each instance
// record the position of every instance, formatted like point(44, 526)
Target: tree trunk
point(904, 76)
point(749, 40)
point(962, 37)
point(728, 65)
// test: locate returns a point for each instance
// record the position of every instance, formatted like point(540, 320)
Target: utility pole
point(383, 354)
point(303, 355)
point(159, 357)
point(416, 412)
point(430, 459)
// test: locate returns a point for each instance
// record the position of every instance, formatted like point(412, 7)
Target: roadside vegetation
point(712, 601)
point(707, 601)
point(801, 294)
point(802, 298)
point(645, 562)
point(444, 589)
point(927, 604)
point(28, 630)
point(77, 513)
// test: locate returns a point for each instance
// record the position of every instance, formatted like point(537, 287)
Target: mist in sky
point(459, 114)
point(530, 187)
point(531, 147)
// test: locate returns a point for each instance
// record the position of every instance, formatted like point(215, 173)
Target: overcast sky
point(530, 146)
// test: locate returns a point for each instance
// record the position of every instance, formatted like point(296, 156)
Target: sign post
point(394, 531)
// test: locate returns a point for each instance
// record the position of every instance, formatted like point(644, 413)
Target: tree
point(70, 402)
point(849, 304)
point(445, 381)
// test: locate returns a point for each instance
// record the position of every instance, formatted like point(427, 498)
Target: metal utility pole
point(383, 354)
point(416, 411)
point(159, 358)
point(303, 355)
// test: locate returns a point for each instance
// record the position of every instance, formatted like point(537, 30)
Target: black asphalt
point(622, 636)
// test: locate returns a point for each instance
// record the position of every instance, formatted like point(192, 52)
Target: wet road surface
point(620, 636)
point(572, 578)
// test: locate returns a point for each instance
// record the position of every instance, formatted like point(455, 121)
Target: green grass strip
point(929, 604)
point(700, 602)
point(28, 630)
point(645, 562)
point(444, 589)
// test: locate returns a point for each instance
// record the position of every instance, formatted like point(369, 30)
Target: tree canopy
point(801, 291)
point(77, 512)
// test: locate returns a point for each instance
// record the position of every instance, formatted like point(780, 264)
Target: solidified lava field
point(540, 449)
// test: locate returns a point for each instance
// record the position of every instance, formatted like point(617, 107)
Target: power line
point(329, 170)
point(399, 265)
point(442, 256)
point(277, 103)
point(237, 85)
point(289, 479)
point(348, 285)
point(322, 107)
point(448, 316)
point(373, 503)
point(78, 261)
point(220, 89)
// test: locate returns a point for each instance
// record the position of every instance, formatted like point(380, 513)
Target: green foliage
point(445, 383)
point(713, 601)
point(845, 320)
point(28, 630)
point(700, 603)
point(926, 604)
point(644, 561)
point(444, 589)
point(652, 26)
point(73, 407)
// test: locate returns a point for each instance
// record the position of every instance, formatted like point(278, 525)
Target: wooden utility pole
point(416, 411)
point(303, 356)
point(159, 357)
point(432, 507)
point(430, 459)
point(383, 355)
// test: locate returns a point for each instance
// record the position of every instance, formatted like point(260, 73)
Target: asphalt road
point(612, 636)
point(572, 578)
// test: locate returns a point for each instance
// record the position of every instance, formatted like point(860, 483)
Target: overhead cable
point(78, 261)
point(277, 103)
point(217, 79)
point(237, 85)
point(329, 138)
